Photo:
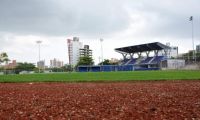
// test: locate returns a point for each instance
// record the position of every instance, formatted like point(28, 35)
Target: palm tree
point(4, 57)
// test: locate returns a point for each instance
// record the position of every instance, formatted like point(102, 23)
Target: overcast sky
point(119, 22)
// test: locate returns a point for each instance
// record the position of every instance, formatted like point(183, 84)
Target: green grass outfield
point(103, 76)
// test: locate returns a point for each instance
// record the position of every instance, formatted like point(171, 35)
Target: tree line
point(86, 60)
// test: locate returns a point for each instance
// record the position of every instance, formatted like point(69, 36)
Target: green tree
point(4, 57)
point(1, 69)
point(107, 62)
point(24, 67)
point(56, 69)
point(85, 61)
point(67, 68)
point(198, 57)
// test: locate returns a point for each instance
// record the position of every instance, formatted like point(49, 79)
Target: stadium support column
point(147, 53)
point(124, 55)
point(155, 52)
point(166, 52)
point(131, 55)
point(139, 54)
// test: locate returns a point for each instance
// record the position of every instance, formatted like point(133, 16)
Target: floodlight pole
point(99, 60)
point(39, 42)
point(101, 40)
point(194, 56)
point(193, 39)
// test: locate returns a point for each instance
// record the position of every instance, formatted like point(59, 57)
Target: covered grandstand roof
point(143, 47)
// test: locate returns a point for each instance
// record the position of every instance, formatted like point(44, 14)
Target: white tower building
point(73, 50)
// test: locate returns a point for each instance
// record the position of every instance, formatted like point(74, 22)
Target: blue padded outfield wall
point(106, 68)
point(109, 68)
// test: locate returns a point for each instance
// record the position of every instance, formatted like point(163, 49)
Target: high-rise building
point(41, 64)
point(198, 48)
point(56, 63)
point(85, 51)
point(11, 65)
point(73, 50)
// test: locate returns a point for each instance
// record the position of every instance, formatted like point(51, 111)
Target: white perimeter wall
point(175, 64)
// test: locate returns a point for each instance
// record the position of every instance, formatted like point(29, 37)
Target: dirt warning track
point(119, 100)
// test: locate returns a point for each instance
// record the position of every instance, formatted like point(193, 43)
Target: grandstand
point(146, 62)
point(129, 63)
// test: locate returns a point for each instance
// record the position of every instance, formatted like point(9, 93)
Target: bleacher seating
point(157, 59)
point(138, 61)
point(142, 62)
point(146, 61)
point(132, 62)
point(123, 62)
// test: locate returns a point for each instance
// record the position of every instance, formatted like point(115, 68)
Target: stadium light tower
point(194, 56)
point(39, 42)
point(101, 40)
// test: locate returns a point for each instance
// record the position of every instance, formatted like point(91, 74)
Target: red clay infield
point(122, 100)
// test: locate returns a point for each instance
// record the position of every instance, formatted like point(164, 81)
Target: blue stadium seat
point(132, 62)
point(157, 59)
point(147, 60)
point(123, 62)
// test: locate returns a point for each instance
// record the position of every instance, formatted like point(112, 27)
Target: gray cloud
point(119, 22)
point(171, 18)
point(62, 17)
point(96, 18)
